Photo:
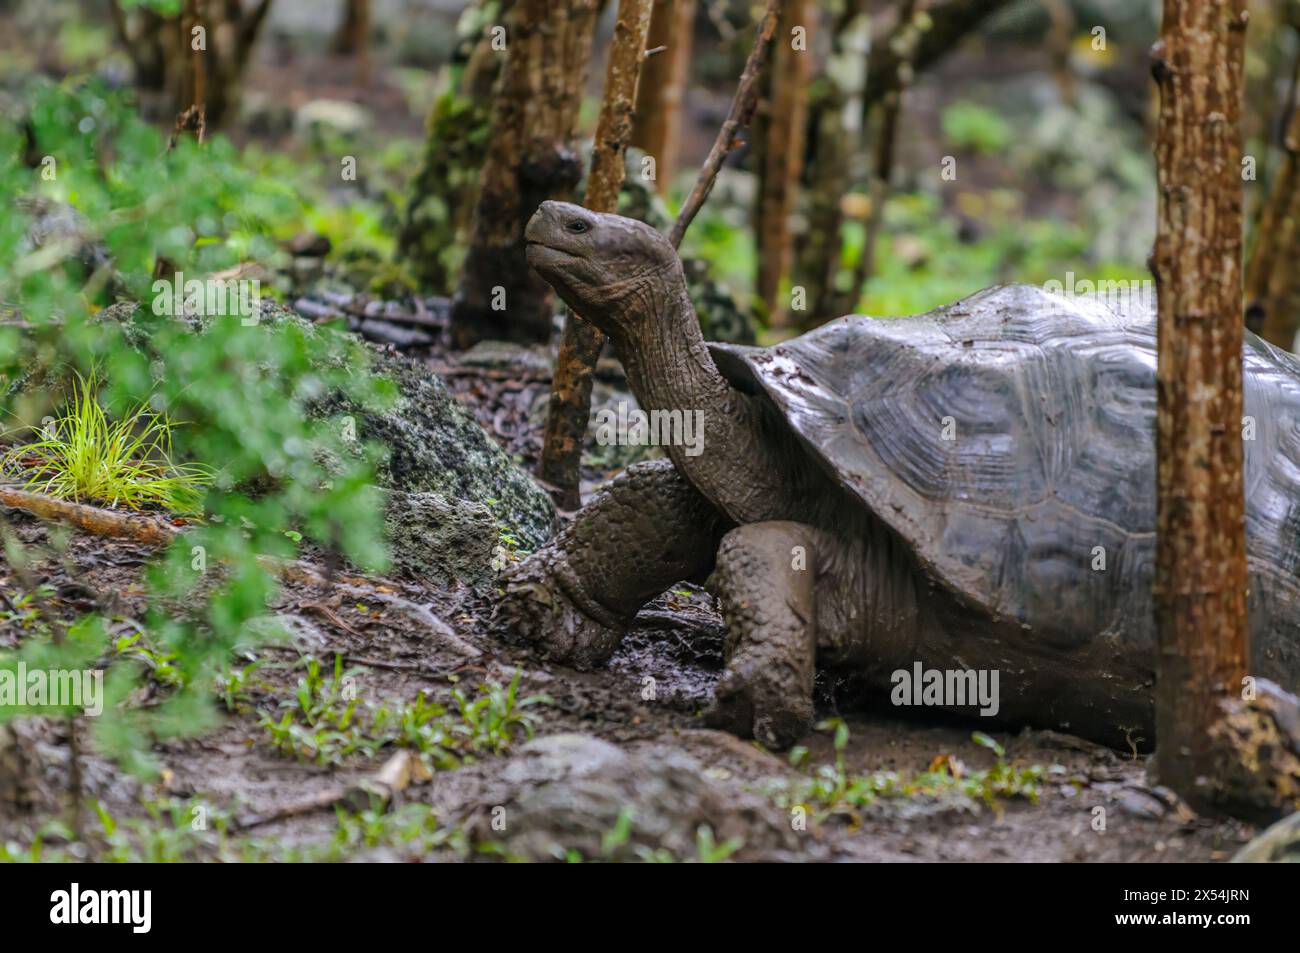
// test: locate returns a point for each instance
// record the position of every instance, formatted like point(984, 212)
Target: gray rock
point(575, 795)
point(1141, 804)
point(439, 539)
point(435, 446)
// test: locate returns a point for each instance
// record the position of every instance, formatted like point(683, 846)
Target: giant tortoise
point(970, 490)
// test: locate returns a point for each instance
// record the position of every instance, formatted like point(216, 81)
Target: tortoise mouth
point(538, 243)
point(540, 253)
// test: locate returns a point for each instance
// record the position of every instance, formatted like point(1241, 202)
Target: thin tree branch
point(742, 111)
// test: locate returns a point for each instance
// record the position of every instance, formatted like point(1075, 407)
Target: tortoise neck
point(667, 362)
point(670, 370)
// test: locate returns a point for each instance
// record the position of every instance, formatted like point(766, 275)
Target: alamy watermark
point(130, 907)
point(52, 688)
point(1120, 295)
point(946, 688)
point(634, 427)
point(213, 297)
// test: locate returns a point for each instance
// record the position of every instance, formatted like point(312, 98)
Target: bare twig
point(742, 111)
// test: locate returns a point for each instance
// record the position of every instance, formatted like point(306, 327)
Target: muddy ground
point(646, 702)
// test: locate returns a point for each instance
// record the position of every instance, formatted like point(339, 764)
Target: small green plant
point(179, 831)
point(495, 718)
point(159, 663)
point(709, 851)
point(830, 789)
point(509, 548)
point(326, 721)
point(126, 462)
point(413, 826)
point(319, 723)
point(23, 610)
point(237, 683)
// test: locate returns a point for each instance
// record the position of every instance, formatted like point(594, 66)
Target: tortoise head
point(609, 269)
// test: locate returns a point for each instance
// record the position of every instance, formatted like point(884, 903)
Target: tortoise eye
point(577, 226)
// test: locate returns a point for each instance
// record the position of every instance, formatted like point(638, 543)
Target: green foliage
point(24, 610)
point(413, 827)
point(244, 388)
point(830, 789)
point(968, 125)
point(167, 8)
point(327, 721)
point(126, 462)
point(723, 239)
point(922, 260)
point(709, 851)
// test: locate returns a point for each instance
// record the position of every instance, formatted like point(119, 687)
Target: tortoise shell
point(1009, 441)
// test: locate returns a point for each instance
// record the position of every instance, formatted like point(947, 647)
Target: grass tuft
point(86, 457)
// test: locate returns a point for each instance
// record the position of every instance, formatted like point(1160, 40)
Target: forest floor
point(1086, 803)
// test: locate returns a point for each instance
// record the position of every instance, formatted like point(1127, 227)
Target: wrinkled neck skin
point(669, 368)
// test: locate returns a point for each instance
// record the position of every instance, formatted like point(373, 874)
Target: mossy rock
point(452, 489)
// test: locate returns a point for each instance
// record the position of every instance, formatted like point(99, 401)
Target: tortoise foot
point(753, 702)
point(538, 608)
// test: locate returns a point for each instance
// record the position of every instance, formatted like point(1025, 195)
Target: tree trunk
point(1059, 42)
point(171, 74)
point(353, 31)
point(192, 72)
point(352, 38)
point(570, 406)
point(529, 160)
point(834, 105)
point(1272, 282)
point(1200, 589)
point(657, 126)
point(905, 43)
point(783, 153)
point(440, 206)
point(738, 116)
point(817, 252)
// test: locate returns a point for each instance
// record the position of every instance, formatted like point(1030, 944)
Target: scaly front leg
point(576, 597)
point(767, 590)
